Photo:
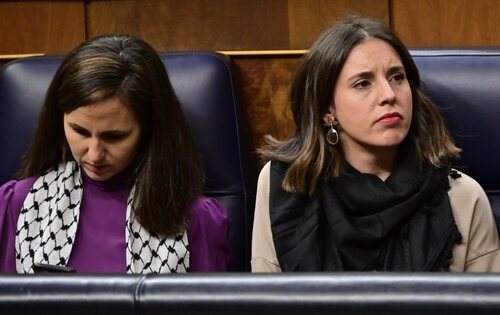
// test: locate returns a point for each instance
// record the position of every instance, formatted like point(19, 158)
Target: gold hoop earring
point(332, 136)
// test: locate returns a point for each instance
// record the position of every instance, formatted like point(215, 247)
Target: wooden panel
point(309, 18)
point(457, 23)
point(226, 24)
point(49, 27)
point(195, 24)
point(266, 82)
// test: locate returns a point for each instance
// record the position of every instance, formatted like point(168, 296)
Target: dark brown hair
point(308, 154)
point(168, 169)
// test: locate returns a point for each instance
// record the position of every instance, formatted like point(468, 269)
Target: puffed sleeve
point(12, 195)
point(264, 257)
point(208, 230)
point(479, 250)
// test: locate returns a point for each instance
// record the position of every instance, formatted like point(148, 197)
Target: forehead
point(106, 107)
point(372, 53)
point(106, 113)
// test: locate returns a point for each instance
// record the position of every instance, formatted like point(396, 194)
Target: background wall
point(55, 27)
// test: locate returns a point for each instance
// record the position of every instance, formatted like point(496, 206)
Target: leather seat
point(465, 84)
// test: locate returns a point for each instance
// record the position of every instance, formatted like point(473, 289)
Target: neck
point(378, 161)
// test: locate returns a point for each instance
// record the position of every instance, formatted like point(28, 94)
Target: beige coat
point(478, 252)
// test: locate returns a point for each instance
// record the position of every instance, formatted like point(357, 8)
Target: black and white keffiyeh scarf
point(48, 223)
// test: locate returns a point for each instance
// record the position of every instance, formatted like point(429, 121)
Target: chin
point(393, 140)
point(98, 178)
point(390, 144)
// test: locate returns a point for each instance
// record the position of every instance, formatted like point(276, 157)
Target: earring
point(332, 136)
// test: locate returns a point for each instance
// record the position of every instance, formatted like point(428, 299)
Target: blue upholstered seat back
point(465, 84)
point(207, 88)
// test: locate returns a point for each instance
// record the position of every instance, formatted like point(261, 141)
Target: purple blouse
point(100, 244)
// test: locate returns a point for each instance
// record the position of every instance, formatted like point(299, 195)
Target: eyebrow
point(368, 74)
point(76, 126)
point(396, 69)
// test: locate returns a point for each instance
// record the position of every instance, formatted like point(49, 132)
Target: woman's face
point(103, 137)
point(372, 99)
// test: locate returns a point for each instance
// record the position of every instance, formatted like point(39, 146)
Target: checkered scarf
point(48, 222)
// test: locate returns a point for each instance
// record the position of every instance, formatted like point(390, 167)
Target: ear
point(329, 116)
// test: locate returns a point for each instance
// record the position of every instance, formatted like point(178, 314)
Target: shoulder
point(467, 198)
point(265, 173)
point(263, 188)
point(479, 249)
point(462, 185)
point(15, 191)
point(208, 231)
point(12, 196)
point(207, 212)
point(263, 251)
point(272, 170)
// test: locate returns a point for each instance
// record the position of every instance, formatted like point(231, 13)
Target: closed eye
point(108, 136)
point(80, 130)
point(114, 136)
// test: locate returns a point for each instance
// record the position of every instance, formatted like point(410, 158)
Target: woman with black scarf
point(365, 183)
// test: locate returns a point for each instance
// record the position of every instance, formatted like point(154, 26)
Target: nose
point(96, 152)
point(387, 94)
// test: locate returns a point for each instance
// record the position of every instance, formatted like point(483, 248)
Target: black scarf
point(358, 222)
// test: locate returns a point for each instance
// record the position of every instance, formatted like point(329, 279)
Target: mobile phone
point(47, 268)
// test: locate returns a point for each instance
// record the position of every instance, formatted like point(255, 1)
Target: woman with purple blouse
point(112, 181)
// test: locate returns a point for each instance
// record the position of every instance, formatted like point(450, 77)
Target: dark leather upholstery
point(263, 294)
point(208, 90)
point(465, 84)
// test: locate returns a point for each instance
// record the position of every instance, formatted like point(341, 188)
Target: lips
point(390, 118)
point(95, 168)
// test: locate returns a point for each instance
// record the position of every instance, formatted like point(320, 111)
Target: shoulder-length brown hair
point(168, 170)
point(308, 154)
